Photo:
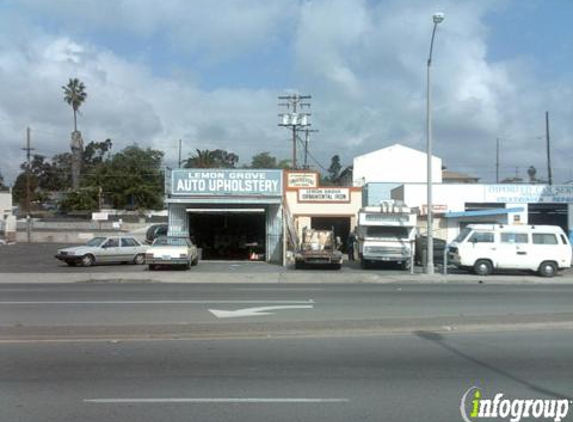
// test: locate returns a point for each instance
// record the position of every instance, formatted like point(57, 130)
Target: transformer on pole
point(295, 118)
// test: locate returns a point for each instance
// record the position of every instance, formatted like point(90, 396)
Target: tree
point(130, 179)
point(335, 167)
point(84, 199)
point(263, 160)
point(202, 159)
point(2, 185)
point(75, 95)
point(211, 159)
point(224, 159)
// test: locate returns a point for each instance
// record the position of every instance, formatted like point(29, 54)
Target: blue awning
point(483, 213)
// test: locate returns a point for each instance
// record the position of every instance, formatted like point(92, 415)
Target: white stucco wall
point(395, 163)
point(302, 212)
point(5, 204)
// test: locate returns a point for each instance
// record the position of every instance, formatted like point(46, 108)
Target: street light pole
point(438, 17)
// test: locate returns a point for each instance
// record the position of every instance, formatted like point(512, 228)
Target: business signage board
point(302, 180)
point(324, 195)
point(529, 194)
point(227, 182)
point(99, 216)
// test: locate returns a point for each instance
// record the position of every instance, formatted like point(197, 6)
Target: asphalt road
point(420, 376)
point(329, 352)
point(141, 310)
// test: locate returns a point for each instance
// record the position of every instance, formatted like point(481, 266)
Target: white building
point(399, 173)
point(5, 204)
point(395, 164)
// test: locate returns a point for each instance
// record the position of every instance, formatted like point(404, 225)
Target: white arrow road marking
point(219, 400)
point(261, 310)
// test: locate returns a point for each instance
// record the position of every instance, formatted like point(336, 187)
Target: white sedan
point(171, 251)
point(116, 249)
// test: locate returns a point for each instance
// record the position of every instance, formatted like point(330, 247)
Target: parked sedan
point(112, 249)
point(172, 251)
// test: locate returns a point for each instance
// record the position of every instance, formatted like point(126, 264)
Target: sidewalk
point(282, 276)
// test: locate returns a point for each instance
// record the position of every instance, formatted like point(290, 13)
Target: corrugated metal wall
point(178, 220)
point(274, 252)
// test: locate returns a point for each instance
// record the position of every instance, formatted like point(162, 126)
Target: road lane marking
point(153, 302)
point(216, 400)
point(278, 289)
point(249, 312)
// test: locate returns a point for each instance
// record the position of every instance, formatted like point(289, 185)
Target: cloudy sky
point(209, 73)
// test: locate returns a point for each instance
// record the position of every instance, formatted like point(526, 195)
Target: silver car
point(112, 249)
point(172, 251)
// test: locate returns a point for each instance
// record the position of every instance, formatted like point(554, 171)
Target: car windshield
point(463, 234)
point(386, 232)
point(95, 242)
point(170, 241)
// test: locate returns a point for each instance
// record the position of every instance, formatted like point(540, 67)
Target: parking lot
point(39, 258)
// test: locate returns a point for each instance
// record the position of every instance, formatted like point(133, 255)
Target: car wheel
point(195, 261)
point(139, 259)
point(152, 267)
point(87, 260)
point(71, 263)
point(406, 265)
point(483, 267)
point(547, 269)
point(298, 265)
point(364, 264)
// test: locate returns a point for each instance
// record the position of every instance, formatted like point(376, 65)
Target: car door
point(110, 250)
point(128, 248)
point(514, 250)
point(481, 245)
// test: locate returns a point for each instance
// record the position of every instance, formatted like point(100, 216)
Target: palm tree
point(75, 95)
point(202, 159)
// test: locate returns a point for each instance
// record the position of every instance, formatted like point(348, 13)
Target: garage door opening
point(551, 214)
point(229, 234)
point(341, 226)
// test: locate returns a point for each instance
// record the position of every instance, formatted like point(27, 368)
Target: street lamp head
point(438, 17)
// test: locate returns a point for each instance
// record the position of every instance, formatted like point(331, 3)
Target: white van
point(483, 248)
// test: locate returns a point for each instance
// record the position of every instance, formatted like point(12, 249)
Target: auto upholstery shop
point(232, 214)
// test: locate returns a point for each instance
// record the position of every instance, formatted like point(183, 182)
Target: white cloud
point(364, 63)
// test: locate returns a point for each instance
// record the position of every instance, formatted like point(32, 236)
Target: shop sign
point(529, 194)
point(99, 216)
point(215, 182)
point(302, 180)
point(324, 195)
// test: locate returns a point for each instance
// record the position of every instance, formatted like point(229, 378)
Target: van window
point(514, 238)
point(544, 239)
point(563, 239)
point(481, 237)
point(463, 234)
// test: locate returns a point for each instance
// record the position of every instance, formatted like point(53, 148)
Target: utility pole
point(179, 161)
point(497, 160)
point(307, 132)
point(294, 118)
point(549, 175)
point(28, 149)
